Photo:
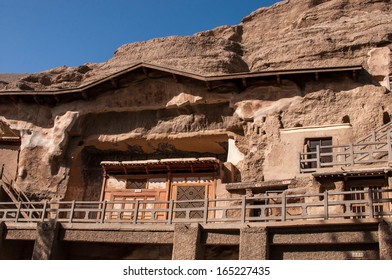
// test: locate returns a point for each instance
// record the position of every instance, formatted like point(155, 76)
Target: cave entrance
point(187, 181)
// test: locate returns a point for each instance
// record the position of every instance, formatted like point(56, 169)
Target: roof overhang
point(109, 82)
point(357, 173)
point(260, 186)
point(175, 165)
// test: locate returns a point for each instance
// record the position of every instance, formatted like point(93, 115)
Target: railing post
point(352, 153)
point(389, 145)
point(18, 212)
point(299, 163)
point(136, 212)
point(205, 216)
point(103, 212)
point(284, 206)
point(72, 211)
point(326, 213)
point(243, 209)
point(171, 207)
point(370, 202)
point(318, 156)
point(44, 211)
point(1, 171)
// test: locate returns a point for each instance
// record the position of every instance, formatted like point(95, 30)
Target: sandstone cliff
point(62, 145)
point(290, 34)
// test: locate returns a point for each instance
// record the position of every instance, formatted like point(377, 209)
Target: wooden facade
point(186, 180)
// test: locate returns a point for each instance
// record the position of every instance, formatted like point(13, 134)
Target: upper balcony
point(374, 149)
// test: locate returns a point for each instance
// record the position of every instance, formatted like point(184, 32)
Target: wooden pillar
point(253, 243)
point(46, 242)
point(385, 240)
point(186, 243)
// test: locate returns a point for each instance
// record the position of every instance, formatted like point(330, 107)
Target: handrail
point(374, 133)
point(369, 203)
point(347, 155)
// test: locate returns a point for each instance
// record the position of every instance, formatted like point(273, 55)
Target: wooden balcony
point(359, 204)
point(373, 149)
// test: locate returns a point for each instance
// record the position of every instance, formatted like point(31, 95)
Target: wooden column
point(186, 243)
point(46, 242)
point(385, 240)
point(253, 243)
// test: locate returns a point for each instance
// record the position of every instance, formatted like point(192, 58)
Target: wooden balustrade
point(266, 208)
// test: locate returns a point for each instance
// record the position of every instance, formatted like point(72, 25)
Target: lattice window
point(133, 184)
point(190, 193)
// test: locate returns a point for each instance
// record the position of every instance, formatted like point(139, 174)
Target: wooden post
point(136, 212)
point(72, 211)
point(283, 207)
point(170, 216)
point(318, 156)
point(389, 145)
point(352, 153)
point(205, 214)
point(18, 212)
point(44, 211)
point(299, 163)
point(243, 209)
point(370, 202)
point(103, 212)
point(326, 214)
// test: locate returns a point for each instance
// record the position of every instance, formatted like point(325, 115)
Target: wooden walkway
point(370, 203)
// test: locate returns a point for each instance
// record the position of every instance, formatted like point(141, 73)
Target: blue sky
point(36, 35)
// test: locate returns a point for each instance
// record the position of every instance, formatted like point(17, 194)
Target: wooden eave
point(180, 165)
point(358, 173)
point(111, 82)
point(10, 140)
point(259, 186)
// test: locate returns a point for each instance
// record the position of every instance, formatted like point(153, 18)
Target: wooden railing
point(379, 150)
point(13, 192)
point(283, 207)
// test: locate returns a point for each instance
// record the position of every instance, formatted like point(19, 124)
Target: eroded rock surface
point(154, 118)
point(291, 34)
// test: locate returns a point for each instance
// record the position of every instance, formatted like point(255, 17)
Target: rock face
point(289, 35)
point(155, 117)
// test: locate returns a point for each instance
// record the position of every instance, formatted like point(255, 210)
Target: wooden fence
point(375, 151)
point(372, 203)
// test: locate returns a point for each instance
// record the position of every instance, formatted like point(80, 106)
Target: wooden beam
point(36, 99)
point(278, 80)
point(175, 77)
point(57, 98)
point(114, 83)
point(146, 71)
point(355, 74)
point(244, 83)
point(84, 95)
point(208, 85)
point(14, 99)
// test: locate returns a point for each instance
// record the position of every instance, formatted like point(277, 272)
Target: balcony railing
point(370, 203)
point(377, 151)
